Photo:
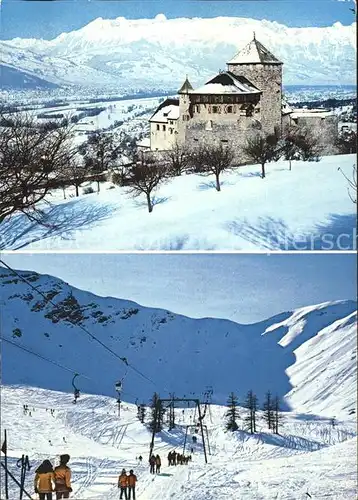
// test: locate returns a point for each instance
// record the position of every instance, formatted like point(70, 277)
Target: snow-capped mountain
point(307, 356)
point(159, 52)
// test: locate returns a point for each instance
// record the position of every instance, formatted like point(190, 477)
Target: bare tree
point(31, 159)
point(352, 183)
point(212, 159)
point(100, 153)
point(146, 176)
point(74, 173)
point(251, 405)
point(308, 145)
point(262, 149)
point(288, 146)
point(269, 415)
point(178, 159)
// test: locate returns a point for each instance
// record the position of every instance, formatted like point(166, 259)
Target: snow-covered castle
point(240, 101)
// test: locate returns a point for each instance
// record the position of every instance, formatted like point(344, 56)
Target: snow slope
point(152, 53)
point(309, 455)
point(304, 209)
point(284, 353)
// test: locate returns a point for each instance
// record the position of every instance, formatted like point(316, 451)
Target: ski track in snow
point(263, 466)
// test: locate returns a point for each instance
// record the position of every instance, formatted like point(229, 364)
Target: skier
point(123, 484)
point(170, 459)
point(140, 458)
point(63, 478)
point(158, 464)
point(132, 479)
point(174, 457)
point(44, 480)
point(152, 464)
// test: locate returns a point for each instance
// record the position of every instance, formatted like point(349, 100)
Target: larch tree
point(268, 410)
point(157, 414)
point(278, 419)
point(232, 413)
point(251, 406)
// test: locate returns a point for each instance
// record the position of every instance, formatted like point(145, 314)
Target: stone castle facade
point(239, 102)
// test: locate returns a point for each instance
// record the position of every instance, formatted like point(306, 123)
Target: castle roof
point(167, 110)
point(254, 53)
point(227, 83)
point(186, 87)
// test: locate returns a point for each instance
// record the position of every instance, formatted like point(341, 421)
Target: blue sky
point(47, 19)
point(242, 287)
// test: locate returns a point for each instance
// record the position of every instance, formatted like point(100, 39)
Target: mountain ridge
point(175, 353)
point(146, 53)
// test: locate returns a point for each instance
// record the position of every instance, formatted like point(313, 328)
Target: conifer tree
point(232, 413)
point(276, 414)
point(251, 405)
point(142, 410)
point(269, 416)
point(157, 414)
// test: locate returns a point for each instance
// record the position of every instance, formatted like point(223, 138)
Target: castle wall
point(163, 135)
point(233, 133)
point(324, 128)
point(268, 78)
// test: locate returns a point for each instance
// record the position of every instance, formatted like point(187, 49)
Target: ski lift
point(118, 386)
point(76, 391)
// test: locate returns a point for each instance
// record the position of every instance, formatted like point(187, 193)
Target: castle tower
point(184, 103)
point(264, 70)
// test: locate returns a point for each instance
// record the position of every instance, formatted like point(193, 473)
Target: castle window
point(197, 109)
point(158, 127)
point(229, 109)
point(164, 128)
point(225, 141)
point(171, 131)
point(196, 140)
point(215, 109)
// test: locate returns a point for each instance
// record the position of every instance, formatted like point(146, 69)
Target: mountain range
point(155, 53)
point(51, 331)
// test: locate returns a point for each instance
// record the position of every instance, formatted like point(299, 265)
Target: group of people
point(155, 464)
point(127, 483)
point(49, 479)
point(175, 458)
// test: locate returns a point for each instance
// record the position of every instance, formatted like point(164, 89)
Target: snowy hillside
point(303, 209)
point(307, 356)
point(152, 53)
point(309, 456)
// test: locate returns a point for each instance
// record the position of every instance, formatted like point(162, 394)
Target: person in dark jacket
point(158, 464)
point(152, 464)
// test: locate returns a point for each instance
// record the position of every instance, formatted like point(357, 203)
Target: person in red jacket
point(132, 479)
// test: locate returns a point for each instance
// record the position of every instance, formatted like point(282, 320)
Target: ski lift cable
point(123, 359)
point(44, 358)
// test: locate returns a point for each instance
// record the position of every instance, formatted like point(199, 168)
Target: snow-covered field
point(309, 455)
point(303, 209)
